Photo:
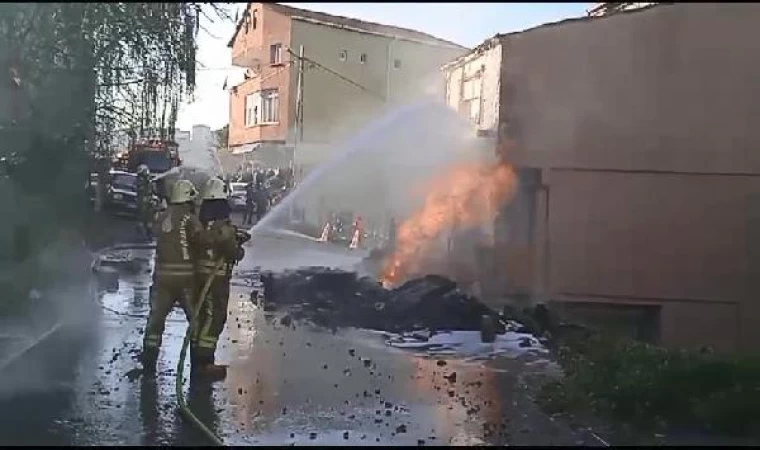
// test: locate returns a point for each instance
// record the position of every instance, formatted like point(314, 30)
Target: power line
point(336, 74)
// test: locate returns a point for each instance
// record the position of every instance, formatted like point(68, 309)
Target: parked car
point(121, 196)
point(237, 196)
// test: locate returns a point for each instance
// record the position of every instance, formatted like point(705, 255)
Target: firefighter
point(144, 201)
point(218, 241)
point(250, 205)
point(173, 277)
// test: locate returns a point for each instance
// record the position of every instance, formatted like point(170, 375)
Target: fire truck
point(159, 155)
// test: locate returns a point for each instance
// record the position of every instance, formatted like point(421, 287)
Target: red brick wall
point(272, 28)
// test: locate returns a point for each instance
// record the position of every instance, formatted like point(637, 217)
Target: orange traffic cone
point(325, 233)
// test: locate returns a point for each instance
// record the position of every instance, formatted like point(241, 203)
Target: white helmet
point(183, 191)
point(143, 169)
point(216, 189)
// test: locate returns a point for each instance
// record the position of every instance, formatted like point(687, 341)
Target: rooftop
point(496, 39)
point(347, 22)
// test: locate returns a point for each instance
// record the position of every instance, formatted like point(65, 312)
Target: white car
point(237, 196)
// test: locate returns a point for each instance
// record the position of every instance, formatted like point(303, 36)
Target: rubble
point(335, 298)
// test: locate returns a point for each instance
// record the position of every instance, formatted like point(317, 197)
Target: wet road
point(293, 384)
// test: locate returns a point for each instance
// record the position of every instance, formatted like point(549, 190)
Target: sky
point(467, 24)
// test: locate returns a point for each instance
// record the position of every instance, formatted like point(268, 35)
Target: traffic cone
point(355, 239)
point(325, 233)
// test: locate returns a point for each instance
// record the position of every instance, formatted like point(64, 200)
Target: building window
point(275, 54)
point(254, 19)
point(396, 63)
point(363, 58)
point(252, 102)
point(343, 55)
point(471, 100)
point(270, 106)
point(262, 107)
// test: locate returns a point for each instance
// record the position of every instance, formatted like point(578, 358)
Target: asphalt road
point(293, 384)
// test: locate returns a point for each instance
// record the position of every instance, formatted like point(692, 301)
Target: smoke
point(44, 339)
point(376, 174)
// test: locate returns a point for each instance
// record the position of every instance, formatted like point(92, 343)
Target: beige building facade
point(637, 142)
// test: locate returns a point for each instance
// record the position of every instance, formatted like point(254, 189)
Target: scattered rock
point(440, 363)
point(345, 435)
point(401, 429)
point(451, 378)
point(312, 436)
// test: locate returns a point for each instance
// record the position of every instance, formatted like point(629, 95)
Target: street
point(288, 383)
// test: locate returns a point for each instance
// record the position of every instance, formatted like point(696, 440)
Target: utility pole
point(299, 109)
point(298, 131)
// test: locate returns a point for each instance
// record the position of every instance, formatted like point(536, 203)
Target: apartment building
point(353, 71)
point(635, 138)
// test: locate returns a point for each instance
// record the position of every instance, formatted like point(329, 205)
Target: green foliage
point(70, 75)
point(648, 385)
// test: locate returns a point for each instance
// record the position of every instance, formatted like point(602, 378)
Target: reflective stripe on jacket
point(207, 266)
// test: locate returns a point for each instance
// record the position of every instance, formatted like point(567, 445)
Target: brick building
point(637, 143)
point(355, 69)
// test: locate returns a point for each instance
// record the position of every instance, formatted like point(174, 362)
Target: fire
point(468, 194)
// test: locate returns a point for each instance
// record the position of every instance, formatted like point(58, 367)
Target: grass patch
point(648, 386)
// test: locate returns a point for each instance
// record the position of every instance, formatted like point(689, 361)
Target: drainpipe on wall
point(542, 264)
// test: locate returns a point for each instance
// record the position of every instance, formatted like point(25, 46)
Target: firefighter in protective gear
point(217, 241)
point(144, 201)
point(174, 276)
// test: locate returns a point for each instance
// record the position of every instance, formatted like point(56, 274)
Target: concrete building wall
point(642, 126)
point(401, 71)
point(639, 90)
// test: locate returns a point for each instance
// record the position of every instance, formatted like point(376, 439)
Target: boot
point(149, 358)
point(203, 367)
point(210, 371)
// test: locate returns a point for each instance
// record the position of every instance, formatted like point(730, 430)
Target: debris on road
point(334, 298)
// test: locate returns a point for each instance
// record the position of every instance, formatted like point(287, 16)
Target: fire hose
point(183, 408)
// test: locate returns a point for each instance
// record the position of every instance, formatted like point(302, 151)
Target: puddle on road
point(291, 383)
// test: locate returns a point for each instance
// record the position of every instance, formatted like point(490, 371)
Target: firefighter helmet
point(142, 169)
point(216, 189)
point(183, 191)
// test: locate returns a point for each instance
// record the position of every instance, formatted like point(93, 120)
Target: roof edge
point(437, 43)
point(500, 37)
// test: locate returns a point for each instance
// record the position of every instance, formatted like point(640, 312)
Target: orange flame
point(468, 195)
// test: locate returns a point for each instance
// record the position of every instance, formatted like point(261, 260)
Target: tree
point(73, 73)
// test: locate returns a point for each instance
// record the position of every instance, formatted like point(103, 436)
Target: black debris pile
point(335, 298)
